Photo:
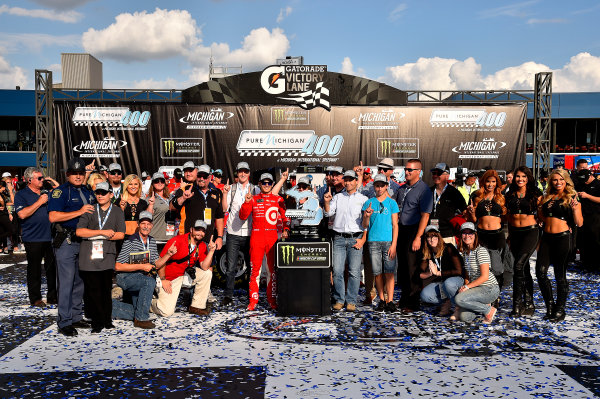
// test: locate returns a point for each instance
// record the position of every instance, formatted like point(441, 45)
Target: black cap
point(76, 165)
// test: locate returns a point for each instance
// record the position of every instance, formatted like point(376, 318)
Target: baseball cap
point(367, 170)
point(242, 165)
point(431, 228)
point(380, 179)
point(114, 166)
point(441, 166)
point(350, 173)
point(145, 215)
point(266, 176)
point(200, 224)
point(335, 169)
point(102, 168)
point(157, 175)
point(144, 174)
point(76, 165)
point(102, 186)
point(204, 169)
point(467, 226)
point(6, 174)
point(304, 180)
point(188, 165)
point(386, 163)
point(217, 172)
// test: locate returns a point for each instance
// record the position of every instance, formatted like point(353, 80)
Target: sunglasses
point(302, 186)
point(410, 169)
point(468, 233)
point(38, 178)
point(101, 192)
point(158, 181)
point(266, 183)
point(246, 171)
point(218, 176)
point(77, 173)
point(383, 169)
point(436, 173)
point(188, 170)
point(203, 175)
point(432, 236)
point(115, 172)
point(333, 174)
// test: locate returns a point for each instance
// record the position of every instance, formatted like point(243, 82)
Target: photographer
point(191, 256)
point(31, 205)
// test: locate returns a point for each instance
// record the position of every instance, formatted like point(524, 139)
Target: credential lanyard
point(192, 250)
point(404, 197)
point(101, 222)
point(147, 245)
point(439, 197)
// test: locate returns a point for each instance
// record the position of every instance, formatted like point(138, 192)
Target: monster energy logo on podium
point(169, 148)
point(287, 253)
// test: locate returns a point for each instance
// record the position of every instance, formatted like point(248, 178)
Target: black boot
point(528, 307)
point(559, 314)
point(549, 310)
point(562, 291)
point(517, 310)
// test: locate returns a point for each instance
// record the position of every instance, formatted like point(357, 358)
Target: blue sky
point(432, 45)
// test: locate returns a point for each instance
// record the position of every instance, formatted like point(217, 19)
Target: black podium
point(303, 286)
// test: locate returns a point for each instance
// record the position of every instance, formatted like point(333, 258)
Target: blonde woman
point(560, 210)
point(94, 179)
point(441, 270)
point(132, 204)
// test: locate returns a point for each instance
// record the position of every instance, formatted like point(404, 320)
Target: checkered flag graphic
point(312, 99)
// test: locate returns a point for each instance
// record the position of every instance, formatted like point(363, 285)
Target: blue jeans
point(476, 301)
point(69, 284)
point(342, 249)
point(437, 292)
point(380, 261)
point(235, 244)
point(141, 288)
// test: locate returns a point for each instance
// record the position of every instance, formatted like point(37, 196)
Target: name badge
point(97, 249)
point(207, 215)
point(170, 229)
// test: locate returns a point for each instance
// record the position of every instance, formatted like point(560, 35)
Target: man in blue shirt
point(67, 203)
point(381, 218)
point(31, 208)
point(415, 202)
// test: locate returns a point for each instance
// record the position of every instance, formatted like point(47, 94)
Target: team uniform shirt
point(347, 209)
point(68, 198)
point(177, 263)
point(445, 206)
point(112, 219)
point(478, 256)
point(412, 201)
point(235, 225)
point(265, 209)
point(380, 222)
point(35, 228)
point(173, 184)
point(201, 206)
point(134, 244)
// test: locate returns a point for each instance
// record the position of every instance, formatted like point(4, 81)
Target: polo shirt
point(177, 263)
point(112, 221)
point(194, 208)
point(412, 201)
point(133, 244)
point(35, 228)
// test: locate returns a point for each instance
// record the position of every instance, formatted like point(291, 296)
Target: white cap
point(266, 176)
point(157, 175)
point(380, 178)
point(6, 174)
point(204, 169)
point(304, 180)
point(188, 165)
point(386, 163)
point(242, 165)
point(350, 173)
point(114, 166)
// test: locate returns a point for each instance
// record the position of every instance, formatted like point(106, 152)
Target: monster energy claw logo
point(278, 114)
point(169, 147)
point(386, 147)
point(287, 252)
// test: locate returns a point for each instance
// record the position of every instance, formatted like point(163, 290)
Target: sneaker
point(490, 316)
point(380, 307)
point(390, 307)
point(198, 311)
point(338, 306)
point(145, 324)
point(39, 304)
point(350, 307)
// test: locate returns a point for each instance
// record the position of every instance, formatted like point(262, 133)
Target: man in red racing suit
point(265, 208)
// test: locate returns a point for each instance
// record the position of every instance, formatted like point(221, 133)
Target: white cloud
point(580, 73)
point(347, 66)
point(52, 15)
point(62, 4)
point(511, 10)
point(284, 12)
point(536, 21)
point(11, 76)
point(397, 12)
point(142, 36)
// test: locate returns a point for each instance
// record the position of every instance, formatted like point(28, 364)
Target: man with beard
point(115, 174)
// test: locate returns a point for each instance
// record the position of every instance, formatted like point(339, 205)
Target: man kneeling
point(193, 256)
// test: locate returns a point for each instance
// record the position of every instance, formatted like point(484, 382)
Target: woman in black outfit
point(522, 202)
point(559, 210)
point(486, 208)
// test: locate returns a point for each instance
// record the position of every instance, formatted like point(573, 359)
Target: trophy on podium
point(305, 219)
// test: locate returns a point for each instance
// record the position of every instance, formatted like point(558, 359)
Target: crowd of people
point(450, 244)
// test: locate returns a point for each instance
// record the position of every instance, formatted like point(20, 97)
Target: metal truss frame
point(542, 131)
point(44, 122)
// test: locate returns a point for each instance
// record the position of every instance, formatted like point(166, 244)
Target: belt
point(264, 229)
point(348, 235)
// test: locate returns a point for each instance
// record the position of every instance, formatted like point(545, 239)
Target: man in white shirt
point(238, 230)
point(348, 240)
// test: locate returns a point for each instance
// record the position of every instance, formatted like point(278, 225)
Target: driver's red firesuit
point(265, 210)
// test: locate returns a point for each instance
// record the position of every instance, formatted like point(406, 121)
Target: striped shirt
point(134, 244)
point(472, 260)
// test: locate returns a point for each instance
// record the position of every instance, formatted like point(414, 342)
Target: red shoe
point(251, 306)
